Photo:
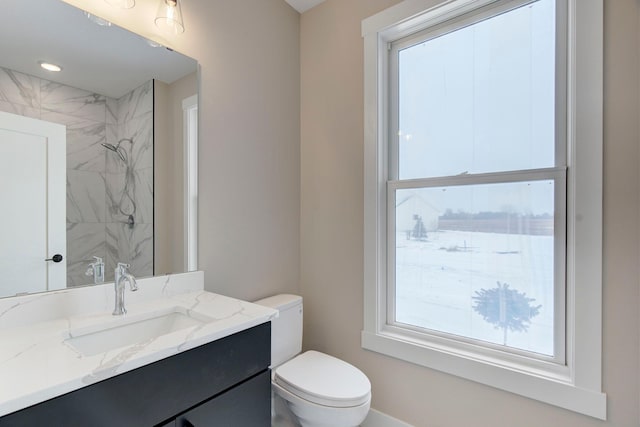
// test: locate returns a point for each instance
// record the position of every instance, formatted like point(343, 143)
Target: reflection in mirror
point(112, 190)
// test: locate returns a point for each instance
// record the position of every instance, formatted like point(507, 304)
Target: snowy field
point(437, 278)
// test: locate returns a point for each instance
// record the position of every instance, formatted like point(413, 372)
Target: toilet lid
point(325, 380)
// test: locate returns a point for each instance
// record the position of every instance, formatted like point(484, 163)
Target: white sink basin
point(138, 329)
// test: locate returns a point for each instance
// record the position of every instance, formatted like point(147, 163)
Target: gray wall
point(249, 148)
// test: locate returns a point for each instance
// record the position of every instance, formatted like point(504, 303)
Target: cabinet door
point(247, 405)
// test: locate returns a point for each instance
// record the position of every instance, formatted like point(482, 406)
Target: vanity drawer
point(243, 405)
point(156, 393)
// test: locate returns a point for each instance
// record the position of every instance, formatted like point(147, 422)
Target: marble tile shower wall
point(105, 194)
point(129, 183)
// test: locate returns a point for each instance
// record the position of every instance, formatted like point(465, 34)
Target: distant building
point(413, 208)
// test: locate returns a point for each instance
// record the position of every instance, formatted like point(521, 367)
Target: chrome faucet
point(121, 276)
point(96, 269)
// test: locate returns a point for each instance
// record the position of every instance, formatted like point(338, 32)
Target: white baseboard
point(380, 419)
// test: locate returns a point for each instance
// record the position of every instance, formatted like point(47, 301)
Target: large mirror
point(94, 159)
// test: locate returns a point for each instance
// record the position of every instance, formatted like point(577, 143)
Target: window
point(476, 184)
point(480, 153)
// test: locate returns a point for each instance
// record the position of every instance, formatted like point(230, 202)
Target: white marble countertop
point(36, 364)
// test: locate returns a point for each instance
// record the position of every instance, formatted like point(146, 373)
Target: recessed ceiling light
point(123, 4)
point(152, 43)
point(97, 20)
point(49, 66)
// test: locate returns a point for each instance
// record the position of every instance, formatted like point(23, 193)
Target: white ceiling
point(106, 60)
point(303, 5)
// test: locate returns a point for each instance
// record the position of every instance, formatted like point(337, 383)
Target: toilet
point(311, 389)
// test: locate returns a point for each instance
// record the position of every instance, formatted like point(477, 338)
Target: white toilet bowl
point(322, 391)
point(313, 388)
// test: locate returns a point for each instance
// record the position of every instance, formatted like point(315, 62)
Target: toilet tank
point(286, 329)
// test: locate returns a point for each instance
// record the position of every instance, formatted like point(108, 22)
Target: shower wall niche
point(109, 169)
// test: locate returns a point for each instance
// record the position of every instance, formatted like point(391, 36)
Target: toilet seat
point(324, 380)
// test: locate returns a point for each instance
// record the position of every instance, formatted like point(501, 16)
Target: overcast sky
point(481, 99)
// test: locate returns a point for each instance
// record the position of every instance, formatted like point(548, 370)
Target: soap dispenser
point(96, 269)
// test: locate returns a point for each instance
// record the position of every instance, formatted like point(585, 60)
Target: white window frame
point(575, 384)
point(190, 181)
point(555, 173)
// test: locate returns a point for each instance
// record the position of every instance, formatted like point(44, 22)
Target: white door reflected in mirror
point(32, 221)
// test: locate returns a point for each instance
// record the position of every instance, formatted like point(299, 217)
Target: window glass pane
point(481, 98)
point(478, 261)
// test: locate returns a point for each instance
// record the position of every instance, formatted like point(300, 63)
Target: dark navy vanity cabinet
point(222, 383)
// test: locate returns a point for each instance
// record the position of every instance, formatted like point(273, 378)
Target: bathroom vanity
point(225, 382)
point(207, 364)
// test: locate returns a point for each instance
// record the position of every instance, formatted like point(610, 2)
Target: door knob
point(55, 258)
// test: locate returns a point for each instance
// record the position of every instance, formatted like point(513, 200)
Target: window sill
point(554, 391)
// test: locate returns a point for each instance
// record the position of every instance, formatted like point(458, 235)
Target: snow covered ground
point(437, 278)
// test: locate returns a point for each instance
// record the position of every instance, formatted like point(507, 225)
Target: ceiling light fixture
point(122, 4)
point(49, 66)
point(169, 17)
